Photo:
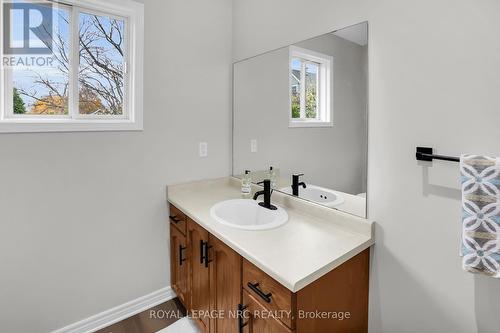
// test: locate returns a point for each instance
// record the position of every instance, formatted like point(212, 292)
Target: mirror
point(302, 110)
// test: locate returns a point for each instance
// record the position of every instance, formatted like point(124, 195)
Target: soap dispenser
point(272, 177)
point(246, 184)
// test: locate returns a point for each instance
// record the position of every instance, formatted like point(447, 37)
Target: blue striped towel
point(480, 177)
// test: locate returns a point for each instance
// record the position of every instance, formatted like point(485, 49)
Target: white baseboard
point(119, 312)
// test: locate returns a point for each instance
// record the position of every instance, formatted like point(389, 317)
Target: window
point(310, 88)
point(84, 74)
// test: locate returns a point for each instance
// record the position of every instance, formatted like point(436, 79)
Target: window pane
point(101, 72)
point(295, 86)
point(311, 90)
point(43, 89)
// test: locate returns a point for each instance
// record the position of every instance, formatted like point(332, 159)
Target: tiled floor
point(156, 319)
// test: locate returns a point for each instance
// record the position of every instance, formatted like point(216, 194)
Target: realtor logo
point(27, 28)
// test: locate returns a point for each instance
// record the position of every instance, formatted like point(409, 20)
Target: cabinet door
point(225, 286)
point(178, 264)
point(199, 275)
point(257, 321)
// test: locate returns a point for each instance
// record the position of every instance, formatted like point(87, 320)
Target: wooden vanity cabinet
point(340, 293)
point(215, 279)
point(199, 275)
point(178, 264)
point(225, 286)
point(212, 279)
point(344, 289)
point(270, 293)
point(252, 323)
point(179, 255)
point(178, 219)
point(206, 275)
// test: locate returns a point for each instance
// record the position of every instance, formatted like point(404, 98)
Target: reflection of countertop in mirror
point(313, 242)
point(352, 204)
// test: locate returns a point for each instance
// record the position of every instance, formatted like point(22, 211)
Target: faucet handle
point(296, 176)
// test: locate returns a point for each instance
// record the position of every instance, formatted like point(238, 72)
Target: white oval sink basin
point(317, 194)
point(248, 215)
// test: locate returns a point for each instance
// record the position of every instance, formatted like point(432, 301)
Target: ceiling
point(356, 33)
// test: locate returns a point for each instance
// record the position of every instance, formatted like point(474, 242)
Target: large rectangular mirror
point(300, 119)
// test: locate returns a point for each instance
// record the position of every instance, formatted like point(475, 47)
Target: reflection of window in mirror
point(310, 88)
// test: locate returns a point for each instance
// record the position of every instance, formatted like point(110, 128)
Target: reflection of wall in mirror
point(330, 157)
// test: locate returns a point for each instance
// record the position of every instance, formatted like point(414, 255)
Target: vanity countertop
point(314, 241)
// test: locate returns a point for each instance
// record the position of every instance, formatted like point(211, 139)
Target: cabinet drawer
point(255, 319)
point(270, 293)
point(178, 219)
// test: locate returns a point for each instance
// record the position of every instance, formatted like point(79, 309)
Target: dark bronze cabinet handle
point(255, 288)
point(206, 259)
point(202, 251)
point(241, 324)
point(174, 219)
point(181, 259)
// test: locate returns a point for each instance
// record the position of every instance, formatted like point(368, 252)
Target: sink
point(317, 194)
point(246, 214)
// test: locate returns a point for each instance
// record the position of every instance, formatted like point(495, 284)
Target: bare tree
point(101, 65)
point(100, 73)
point(56, 100)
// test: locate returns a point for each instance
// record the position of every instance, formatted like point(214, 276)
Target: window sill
point(65, 125)
point(297, 124)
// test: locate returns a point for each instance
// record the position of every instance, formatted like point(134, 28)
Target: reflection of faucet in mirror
point(267, 195)
point(296, 184)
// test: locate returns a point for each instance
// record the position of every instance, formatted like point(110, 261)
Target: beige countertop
point(314, 241)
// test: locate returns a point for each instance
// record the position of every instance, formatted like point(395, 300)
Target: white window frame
point(325, 88)
point(132, 13)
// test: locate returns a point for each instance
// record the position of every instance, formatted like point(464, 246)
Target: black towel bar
point(426, 154)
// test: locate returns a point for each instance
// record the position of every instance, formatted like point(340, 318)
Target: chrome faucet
point(267, 195)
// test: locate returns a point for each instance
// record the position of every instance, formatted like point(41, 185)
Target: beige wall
point(434, 80)
point(83, 215)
